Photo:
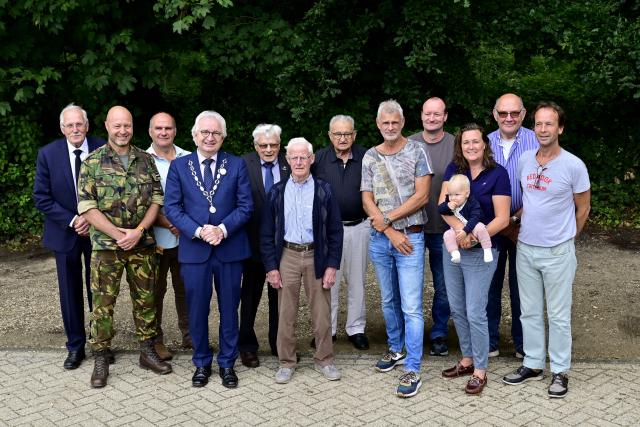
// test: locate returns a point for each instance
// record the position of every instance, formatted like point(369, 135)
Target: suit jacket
point(187, 208)
point(259, 197)
point(327, 228)
point(54, 193)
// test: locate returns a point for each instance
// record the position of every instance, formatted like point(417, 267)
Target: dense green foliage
point(297, 63)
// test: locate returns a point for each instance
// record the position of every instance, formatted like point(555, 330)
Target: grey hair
point(390, 106)
point(173, 120)
point(215, 115)
point(299, 141)
point(266, 130)
point(342, 118)
point(495, 106)
point(70, 107)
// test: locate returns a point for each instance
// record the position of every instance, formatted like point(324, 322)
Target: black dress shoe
point(201, 376)
point(312, 344)
point(249, 359)
point(74, 359)
point(359, 341)
point(229, 377)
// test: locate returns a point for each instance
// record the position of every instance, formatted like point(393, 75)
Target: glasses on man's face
point(539, 171)
point(266, 146)
point(207, 133)
point(296, 159)
point(513, 114)
point(71, 126)
point(340, 135)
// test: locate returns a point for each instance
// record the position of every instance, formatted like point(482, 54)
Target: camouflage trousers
point(106, 274)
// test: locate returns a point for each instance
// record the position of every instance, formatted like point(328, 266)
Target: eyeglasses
point(71, 126)
point(340, 135)
point(539, 171)
point(208, 133)
point(265, 146)
point(296, 159)
point(513, 114)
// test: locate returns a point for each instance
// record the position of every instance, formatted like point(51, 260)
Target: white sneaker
point(284, 375)
point(455, 257)
point(488, 256)
point(494, 353)
point(330, 372)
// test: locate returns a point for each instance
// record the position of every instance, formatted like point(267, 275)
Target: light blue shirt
point(525, 140)
point(298, 211)
point(164, 238)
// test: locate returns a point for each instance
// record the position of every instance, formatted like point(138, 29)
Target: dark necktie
point(268, 176)
point(78, 163)
point(208, 175)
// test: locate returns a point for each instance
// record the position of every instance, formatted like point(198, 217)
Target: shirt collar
point(84, 147)
point(202, 158)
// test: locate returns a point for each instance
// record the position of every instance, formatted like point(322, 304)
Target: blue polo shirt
point(490, 182)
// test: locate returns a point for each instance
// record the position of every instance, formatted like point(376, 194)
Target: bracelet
point(141, 229)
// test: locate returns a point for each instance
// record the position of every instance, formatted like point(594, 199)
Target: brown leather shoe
point(249, 359)
point(149, 359)
point(475, 385)
point(458, 371)
point(162, 351)
point(100, 370)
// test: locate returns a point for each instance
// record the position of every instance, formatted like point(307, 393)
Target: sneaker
point(389, 361)
point(523, 374)
point(519, 354)
point(284, 375)
point(409, 384)
point(559, 385)
point(439, 347)
point(330, 372)
point(494, 352)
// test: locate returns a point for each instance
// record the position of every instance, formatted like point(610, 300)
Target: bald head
point(509, 113)
point(119, 125)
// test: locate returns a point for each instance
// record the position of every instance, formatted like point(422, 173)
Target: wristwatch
point(386, 220)
point(141, 229)
point(515, 220)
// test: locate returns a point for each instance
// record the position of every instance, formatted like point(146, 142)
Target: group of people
point(304, 219)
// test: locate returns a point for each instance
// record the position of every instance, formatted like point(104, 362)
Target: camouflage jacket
point(123, 196)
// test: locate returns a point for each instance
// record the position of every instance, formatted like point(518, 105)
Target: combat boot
point(100, 370)
point(149, 359)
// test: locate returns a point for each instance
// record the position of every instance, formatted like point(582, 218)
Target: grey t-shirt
point(548, 211)
point(441, 154)
point(392, 179)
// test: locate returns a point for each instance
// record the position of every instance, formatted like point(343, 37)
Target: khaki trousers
point(297, 268)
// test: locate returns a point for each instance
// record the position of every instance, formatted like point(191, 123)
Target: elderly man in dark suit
point(65, 232)
point(211, 214)
point(266, 166)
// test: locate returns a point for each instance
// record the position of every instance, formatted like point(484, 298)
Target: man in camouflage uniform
point(120, 195)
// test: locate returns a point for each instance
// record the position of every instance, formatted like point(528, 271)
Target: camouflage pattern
point(106, 272)
point(123, 196)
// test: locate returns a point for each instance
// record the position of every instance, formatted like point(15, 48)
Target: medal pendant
point(212, 209)
point(223, 171)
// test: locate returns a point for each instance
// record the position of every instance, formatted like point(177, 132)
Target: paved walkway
point(35, 390)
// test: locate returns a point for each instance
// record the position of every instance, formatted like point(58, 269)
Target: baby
point(461, 204)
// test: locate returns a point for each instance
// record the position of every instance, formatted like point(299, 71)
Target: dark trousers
point(69, 266)
point(168, 261)
point(253, 279)
point(197, 280)
point(506, 250)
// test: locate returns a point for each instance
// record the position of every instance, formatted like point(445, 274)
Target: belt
point(298, 247)
point(413, 229)
point(352, 223)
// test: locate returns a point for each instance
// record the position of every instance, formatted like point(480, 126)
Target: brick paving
point(36, 390)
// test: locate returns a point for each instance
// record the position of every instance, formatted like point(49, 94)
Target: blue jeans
point(507, 250)
point(401, 279)
point(440, 311)
point(547, 273)
point(468, 289)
